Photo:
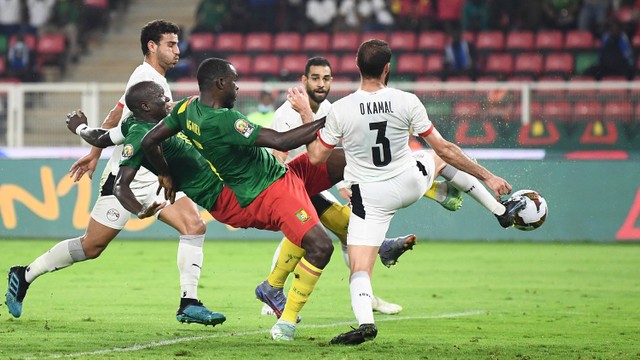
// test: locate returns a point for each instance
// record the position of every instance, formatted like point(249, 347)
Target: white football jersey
point(286, 118)
point(374, 129)
point(143, 72)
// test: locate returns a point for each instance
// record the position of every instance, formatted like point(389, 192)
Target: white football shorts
point(374, 204)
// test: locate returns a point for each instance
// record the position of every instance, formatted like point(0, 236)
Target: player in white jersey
point(316, 81)
point(374, 125)
point(159, 44)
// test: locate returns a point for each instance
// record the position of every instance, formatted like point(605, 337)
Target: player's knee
point(195, 225)
point(320, 252)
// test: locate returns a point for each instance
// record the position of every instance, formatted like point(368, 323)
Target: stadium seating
point(266, 65)
point(403, 41)
point(467, 110)
point(344, 42)
point(519, 41)
point(587, 110)
point(287, 42)
point(528, 64)
point(242, 63)
point(431, 42)
point(578, 40)
point(499, 64)
point(51, 50)
point(202, 42)
point(411, 64)
point(229, 43)
point(293, 65)
point(618, 111)
point(315, 43)
point(557, 110)
point(374, 35)
point(348, 67)
point(559, 64)
point(549, 41)
point(490, 41)
point(3, 66)
point(434, 65)
point(258, 42)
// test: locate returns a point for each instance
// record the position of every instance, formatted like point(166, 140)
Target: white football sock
point(61, 255)
point(190, 257)
point(472, 187)
point(361, 297)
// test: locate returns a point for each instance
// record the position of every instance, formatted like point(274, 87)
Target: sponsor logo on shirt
point(127, 151)
point(244, 127)
point(302, 216)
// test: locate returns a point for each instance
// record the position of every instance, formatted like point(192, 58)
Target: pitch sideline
point(255, 332)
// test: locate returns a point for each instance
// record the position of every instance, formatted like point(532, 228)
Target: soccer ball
point(534, 213)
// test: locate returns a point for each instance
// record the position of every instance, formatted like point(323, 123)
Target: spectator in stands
point(19, 61)
point(364, 15)
point(266, 110)
point(593, 15)
point(475, 15)
point(289, 15)
point(414, 15)
point(615, 57)
point(449, 14)
point(66, 19)
point(322, 13)
point(11, 16)
point(561, 14)
point(40, 13)
point(503, 14)
point(459, 57)
point(210, 16)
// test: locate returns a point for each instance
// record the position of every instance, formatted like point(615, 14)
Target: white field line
point(154, 344)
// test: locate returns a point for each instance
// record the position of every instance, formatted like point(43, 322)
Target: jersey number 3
point(382, 153)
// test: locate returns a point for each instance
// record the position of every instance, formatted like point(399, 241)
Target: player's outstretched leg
point(512, 207)
point(364, 332)
point(392, 249)
point(193, 311)
point(448, 196)
point(385, 307)
point(16, 290)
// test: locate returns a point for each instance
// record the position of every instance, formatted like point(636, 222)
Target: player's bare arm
point(288, 140)
point(152, 147)
point(318, 152)
point(77, 124)
point(123, 193)
point(454, 156)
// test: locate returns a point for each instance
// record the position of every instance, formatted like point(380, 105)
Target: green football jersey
point(225, 138)
point(189, 169)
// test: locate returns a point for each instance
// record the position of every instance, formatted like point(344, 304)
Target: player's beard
point(317, 98)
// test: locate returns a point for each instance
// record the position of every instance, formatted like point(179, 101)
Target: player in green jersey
point(236, 148)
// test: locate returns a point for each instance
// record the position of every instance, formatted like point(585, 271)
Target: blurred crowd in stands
point(34, 33)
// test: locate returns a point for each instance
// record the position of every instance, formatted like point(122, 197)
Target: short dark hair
point(210, 70)
point(316, 61)
point(154, 30)
point(139, 93)
point(373, 55)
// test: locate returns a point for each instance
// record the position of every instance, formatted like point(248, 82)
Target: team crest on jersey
point(113, 215)
point(302, 216)
point(127, 151)
point(244, 127)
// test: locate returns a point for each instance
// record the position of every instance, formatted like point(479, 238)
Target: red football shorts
point(283, 206)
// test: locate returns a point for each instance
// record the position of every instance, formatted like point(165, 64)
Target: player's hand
point(499, 186)
point(75, 119)
point(166, 183)
point(299, 100)
point(145, 212)
point(345, 193)
point(86, 164)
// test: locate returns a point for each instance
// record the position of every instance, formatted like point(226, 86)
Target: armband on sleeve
point(115, 134)
point(80, 128)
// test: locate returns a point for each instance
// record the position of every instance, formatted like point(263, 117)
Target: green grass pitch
point(461, 301)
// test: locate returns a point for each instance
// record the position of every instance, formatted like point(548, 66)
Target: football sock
point(437, 191)
point(288, 258)
point(361, 297)
point(472, 186)
point(336, 219)
point(190, 258)
point(305, 279)
point(61, 255)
